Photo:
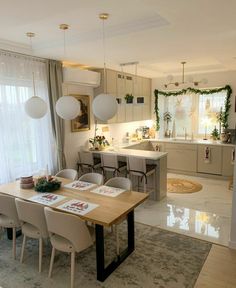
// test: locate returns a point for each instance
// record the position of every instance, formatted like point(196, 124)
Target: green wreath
point(225, 113)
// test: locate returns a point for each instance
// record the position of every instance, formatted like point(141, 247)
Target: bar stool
point(87, 160)
point(111, 163)
point(139, 167)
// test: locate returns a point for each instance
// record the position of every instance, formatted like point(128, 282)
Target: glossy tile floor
point(205, 214)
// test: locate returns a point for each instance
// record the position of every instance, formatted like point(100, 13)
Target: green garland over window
point(225, 114)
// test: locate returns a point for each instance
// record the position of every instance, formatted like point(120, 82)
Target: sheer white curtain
point(26, 145)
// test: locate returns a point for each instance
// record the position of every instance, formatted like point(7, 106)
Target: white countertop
point(150, 155)
point(195, 141)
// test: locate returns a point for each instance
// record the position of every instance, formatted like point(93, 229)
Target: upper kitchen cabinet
point(119, 84)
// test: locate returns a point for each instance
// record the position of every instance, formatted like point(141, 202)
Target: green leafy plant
point(44, 185)
point(129, 98)
point(215, 134)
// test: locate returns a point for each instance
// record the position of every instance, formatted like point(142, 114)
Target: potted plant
point(215, 134)
point(129, 98)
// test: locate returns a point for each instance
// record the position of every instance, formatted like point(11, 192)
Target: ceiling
point(157, 33)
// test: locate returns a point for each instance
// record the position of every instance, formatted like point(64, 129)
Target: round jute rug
point(175, 185)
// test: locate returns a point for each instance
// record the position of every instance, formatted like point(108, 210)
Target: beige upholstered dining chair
point(139, 167)
point(33, 225)
point(68, 173)
point(94, 178)
point(122, 183)
point(9, 217)
point(68, 233)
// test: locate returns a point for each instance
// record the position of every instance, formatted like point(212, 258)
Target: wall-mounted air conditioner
point(81, 77)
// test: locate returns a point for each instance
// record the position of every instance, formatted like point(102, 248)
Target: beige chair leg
point(40, 254)
point(14, 242)
point(72, 269)
point(22, 249)
point(51, 262)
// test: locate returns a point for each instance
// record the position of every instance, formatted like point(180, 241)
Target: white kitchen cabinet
point(119, 84)
point(214, 166)
point(181, 157)
point(228, 161)
point(129, 112)
point(137, 112)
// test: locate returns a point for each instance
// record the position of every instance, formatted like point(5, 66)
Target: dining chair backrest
point(137, 164)
point(86, 158)
point(69, 227)
point(94, 178)
point(109, 161)
point(68, 173)
point(8, 208)
point(32, 213)
point(120, 182)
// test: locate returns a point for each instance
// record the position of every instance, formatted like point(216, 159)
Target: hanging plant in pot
point(129, 98)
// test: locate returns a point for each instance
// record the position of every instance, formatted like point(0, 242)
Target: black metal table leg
point(102, 271)
point(9, 233)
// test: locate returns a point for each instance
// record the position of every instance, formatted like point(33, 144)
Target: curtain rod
point(24, 55)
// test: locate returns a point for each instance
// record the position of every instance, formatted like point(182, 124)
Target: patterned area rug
point(162, 259)
point(175, 185)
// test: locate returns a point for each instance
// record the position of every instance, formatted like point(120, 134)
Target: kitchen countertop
point(151, 155)
point(188, 141)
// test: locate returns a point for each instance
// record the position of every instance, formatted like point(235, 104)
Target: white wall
point(118, 131)
point(73, 140)
point(216, 79)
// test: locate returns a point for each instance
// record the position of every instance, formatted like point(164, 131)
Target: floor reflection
point(193, 220)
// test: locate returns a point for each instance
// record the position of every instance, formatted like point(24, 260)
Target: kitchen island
point(151, 157)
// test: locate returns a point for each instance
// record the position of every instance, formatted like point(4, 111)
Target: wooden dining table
point(110, 210)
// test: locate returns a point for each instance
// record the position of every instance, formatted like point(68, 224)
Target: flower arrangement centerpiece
point(45, 184)
point(98, 142)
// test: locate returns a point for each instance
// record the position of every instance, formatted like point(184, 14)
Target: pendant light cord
point(104, 57)
point(32, 54)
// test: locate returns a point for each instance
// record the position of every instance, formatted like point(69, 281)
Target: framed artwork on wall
point(82, 121)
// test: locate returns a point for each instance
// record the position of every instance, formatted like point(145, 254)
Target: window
point(26, 145)
point(192, 113)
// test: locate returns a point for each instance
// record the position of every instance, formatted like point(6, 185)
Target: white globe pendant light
point(35, 107)
point(104, 106)
point(68, 107)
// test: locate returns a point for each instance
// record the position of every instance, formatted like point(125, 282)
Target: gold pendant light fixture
point(35, 107)
point(170, 79)
point(67, 107)
point(104, 105)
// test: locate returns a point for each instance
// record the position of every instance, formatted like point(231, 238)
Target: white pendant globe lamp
point(104, 105)
point(35, 107)
point(67, 107)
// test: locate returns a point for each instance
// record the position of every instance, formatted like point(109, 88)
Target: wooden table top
point(109, 211)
